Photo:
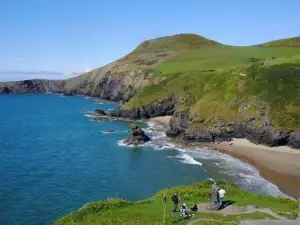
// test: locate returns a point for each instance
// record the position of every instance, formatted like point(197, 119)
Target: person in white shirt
point(222, 193)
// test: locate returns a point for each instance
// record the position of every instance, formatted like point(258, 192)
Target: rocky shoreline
point(182, 125)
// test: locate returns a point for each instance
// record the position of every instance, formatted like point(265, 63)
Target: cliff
point(213, 91)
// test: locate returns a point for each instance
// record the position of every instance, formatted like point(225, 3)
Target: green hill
point(218, 91)
point(291, 42)
point(150, 211)
point(219, 88)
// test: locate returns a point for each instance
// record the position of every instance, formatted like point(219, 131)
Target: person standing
point(214, 193)
point(175, 199)
point(222, 193)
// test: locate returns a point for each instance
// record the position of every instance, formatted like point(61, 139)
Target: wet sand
point(163, 120)
point(279, 165)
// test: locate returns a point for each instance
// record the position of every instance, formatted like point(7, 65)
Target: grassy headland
point(217, 81)
point(150, 211)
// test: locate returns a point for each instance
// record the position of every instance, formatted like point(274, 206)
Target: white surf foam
point(189, 160)
point(88, 115)
point(165, 146)
point(243, 174)
point(224, 166)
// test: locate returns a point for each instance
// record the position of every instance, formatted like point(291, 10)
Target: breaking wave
point(218, 165)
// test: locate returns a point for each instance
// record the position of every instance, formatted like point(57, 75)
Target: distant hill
point(288, 42)
point(213, 91)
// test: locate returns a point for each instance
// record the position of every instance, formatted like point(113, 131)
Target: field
point(151, 211)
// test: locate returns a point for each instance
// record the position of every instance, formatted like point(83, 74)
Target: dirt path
point(234, 210)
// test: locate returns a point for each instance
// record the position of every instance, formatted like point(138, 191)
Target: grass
point(150, 211)
point(216, 81)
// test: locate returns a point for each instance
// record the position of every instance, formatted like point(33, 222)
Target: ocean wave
point(223, 166)
point(185, 158)
point(164, 146)
point(88, 115)
point(241, 173)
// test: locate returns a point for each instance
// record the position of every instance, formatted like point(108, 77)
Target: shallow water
point(54, 158)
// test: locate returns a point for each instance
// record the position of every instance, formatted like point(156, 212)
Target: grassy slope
point(208, 80)
point(150, 211)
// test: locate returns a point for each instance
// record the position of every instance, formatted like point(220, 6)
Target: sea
point(54, 158)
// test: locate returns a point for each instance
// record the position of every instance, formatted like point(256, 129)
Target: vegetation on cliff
point(216, 81)
point(220, 90)
point(150, 211)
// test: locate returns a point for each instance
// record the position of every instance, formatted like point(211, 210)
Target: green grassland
point(150, 211)
point(214, 81)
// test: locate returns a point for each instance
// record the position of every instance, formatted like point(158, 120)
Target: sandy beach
point(163, 120)
point(279, 165)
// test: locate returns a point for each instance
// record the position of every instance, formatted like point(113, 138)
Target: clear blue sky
point(50, 38)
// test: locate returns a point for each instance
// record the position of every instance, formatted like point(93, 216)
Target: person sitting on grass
point(184, 213)
point(194, 208)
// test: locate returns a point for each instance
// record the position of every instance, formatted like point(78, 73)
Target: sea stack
point(137, 137)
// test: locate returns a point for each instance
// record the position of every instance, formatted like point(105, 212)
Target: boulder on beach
point(137, 137)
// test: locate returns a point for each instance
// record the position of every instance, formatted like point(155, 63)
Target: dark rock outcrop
point(99, 112)
point(137, 137)
point(5, 90)
point(68, 94)
point(163, 108)
point(182, 127)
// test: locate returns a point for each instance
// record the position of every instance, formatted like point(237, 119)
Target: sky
point(57, 39)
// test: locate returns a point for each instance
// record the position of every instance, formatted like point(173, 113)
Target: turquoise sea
point(54, 158)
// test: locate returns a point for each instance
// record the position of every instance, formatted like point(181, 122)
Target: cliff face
point(213, 92)
point(32, 86)
point(102, 83)
point(182, 126)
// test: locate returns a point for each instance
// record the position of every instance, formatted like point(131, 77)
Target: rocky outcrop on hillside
point(99, 83)
point(183, 127)
point(163, 108)
point(32, 86)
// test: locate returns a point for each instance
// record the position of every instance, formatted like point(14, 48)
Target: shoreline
point(279, 165)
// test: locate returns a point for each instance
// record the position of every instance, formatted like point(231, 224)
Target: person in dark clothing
point(175, 199)
point(194, 208)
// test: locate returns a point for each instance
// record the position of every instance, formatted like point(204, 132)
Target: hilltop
point(213, 91)
point(244, 206)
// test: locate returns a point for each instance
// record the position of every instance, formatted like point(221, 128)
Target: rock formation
point(99, 112)
point(137, 137)
point(68, 94)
